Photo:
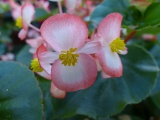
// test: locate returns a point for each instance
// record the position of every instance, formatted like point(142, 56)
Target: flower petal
point(110, 62)
point(64, 31)
point(35, 42)
point(57, 93)
point(104, 75)
point(27, 14)
point(123, 52)
point(45, 75)
point(22, 34)
point(73, 78)
point(46, 58)
point(110, 27)
point(90, 47)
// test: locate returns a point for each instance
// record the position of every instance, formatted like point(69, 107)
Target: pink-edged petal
point(35, 42)
point(123, 52)
point(27, 12)
point(45, 75)
point(64, 31)
point(110, 62)
point(104, 75)
point(57, 93)
point(73, 78)
point(90, 47)
point(46, 58)
point(22, 34)
point(110, 27)
point(98, 64)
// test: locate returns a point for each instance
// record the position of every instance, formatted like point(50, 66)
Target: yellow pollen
point(68, 58)
point(117, 45)
point(19, 22)
point(35, 66)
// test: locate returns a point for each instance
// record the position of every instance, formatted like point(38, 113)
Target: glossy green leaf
point(108, 96)
point(41, 14)
point(130, 13)
point(153, 102)
point(24, 56)
point(149, 30)
point(20, 95)
point(151, 15)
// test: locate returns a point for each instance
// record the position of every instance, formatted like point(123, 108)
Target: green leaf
point(108, 96)
point(106, 7)
point(151, 15)
point(148, 30)
point(131, 15)
point(41, 14)
point(20, 95)
point(24, 56)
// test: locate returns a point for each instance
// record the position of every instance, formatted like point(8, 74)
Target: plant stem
point(60, 6)
point(33, 27)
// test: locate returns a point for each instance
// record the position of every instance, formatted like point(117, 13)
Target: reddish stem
point(130, 36)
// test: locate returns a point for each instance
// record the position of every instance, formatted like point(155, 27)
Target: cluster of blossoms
point(64, 53)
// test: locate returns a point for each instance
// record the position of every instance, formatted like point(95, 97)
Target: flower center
point(117, 45)
point(68, 58)
point(19, 22)
point(35, 66)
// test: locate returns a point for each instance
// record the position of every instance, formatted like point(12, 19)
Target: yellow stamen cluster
point(68, 58)
point(117, 45)
point(19, 22)
point(35, 66)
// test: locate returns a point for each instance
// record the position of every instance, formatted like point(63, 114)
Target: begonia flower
point(109, 32)
point(27, 13)
point(71, 67)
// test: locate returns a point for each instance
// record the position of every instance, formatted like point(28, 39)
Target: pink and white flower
point(109, 32)
point(27, 13)
point(71, 67)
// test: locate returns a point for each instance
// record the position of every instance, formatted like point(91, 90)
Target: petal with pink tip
point(27, 14)
point(46, 58)
point(64, 31)
point(22, 34)
point(104, 75)
point(123, 52)
point(90, 47)
point(73, 78)
point(57, 93)
point(45, 75)
point(110, 62)
point(110, 27)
